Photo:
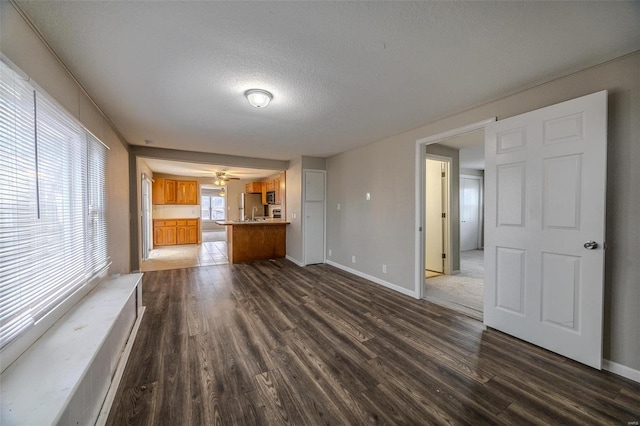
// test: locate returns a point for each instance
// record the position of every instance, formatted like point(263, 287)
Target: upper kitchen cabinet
point(170, 191)
point(187, 192)
point(254, 188)
point(164, 191)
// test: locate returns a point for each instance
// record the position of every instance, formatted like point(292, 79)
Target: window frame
point(95, 268)
point(211, 208)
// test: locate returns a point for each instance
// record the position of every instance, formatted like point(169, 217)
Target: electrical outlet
point(338, 206)
point(368, 196)
point(353, 259)
point(329, 252)
point(384, 269)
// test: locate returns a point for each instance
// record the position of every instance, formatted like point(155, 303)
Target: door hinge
point(444, 215)
point(444, 174)
point(444, 255)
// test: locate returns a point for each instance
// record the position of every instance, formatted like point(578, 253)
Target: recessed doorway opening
point(457, 201)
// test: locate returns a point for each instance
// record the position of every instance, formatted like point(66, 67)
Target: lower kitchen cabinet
point(167, 232)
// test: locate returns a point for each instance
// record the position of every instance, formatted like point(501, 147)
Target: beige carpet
point(463, 292)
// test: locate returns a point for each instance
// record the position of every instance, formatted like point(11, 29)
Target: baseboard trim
point(296, 261)
point(117, 377)
point(376, 280)
point(621, 370)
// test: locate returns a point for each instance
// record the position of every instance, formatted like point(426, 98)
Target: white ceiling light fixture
point(258, 98)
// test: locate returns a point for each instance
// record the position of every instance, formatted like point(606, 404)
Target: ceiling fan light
point(258, 98)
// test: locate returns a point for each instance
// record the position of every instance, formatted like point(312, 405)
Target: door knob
point(591, 245)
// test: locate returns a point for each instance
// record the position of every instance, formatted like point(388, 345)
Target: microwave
point(271, 197)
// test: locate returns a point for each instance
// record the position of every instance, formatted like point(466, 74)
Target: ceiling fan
point(222, 178)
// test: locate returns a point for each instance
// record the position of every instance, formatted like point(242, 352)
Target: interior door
point(433, 217)
point(545, 226)
point(314, 208)
point(469, 212)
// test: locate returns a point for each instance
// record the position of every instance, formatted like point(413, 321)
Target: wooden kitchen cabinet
point(271, 185)
point(254, 187)
point(187, 231)
point(164, 232)
point(279, 184)
point(187, 192)
point(164, 191)
point(276, 188)
point(170, 191)
point(167, 232)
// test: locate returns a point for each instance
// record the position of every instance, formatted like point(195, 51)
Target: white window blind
point(18, 207)
point(97, 256)
point(52, 206)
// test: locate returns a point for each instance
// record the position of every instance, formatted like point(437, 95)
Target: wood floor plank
point(279, 403)
point(270, 343)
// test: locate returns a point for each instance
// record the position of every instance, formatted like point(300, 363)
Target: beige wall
point(294, 206)
point(385, 230)
point(25, 49)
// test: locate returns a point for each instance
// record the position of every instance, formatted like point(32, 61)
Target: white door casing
point(545, 199)
point(470, 212)
point(433, 217)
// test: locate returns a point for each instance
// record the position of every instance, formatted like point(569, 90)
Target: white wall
point(27, 51)
point(382, 231)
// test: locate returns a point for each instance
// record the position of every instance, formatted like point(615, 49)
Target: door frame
point(446, 206)
point(420, 176)
point(480, 207)
point(146, 228)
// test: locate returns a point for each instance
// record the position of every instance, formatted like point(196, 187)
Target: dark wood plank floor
point(270, 343)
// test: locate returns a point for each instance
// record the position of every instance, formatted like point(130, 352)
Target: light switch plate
point(368, 196)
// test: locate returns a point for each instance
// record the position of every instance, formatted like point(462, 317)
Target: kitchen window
point(213, 207)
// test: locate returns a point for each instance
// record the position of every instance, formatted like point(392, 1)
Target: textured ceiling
point(180, 168)
point(343, 74)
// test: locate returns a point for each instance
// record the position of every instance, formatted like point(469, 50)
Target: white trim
point(621, 370)
point(296, 261)
point(419, 189)
point(117, 377)
point(383, 283)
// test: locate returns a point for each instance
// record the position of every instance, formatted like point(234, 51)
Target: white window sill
point(39, 385)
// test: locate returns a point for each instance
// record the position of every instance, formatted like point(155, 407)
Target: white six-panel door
point(545, 225)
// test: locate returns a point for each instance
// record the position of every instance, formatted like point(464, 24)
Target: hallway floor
point(186, 256)
point(462, 292)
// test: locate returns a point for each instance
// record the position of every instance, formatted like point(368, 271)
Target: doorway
point(437, 216)
point(461, 288)
point(471, 212)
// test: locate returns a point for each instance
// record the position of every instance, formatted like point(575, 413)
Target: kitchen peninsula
point(255, 240)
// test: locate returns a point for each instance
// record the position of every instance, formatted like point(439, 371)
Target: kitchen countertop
point(250, 222)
